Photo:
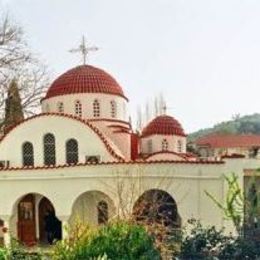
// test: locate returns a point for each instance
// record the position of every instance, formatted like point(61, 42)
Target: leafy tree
point(233, 207)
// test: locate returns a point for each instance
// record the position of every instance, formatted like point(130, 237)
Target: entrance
point(26, 220)
point(37, 220)
point(46, 210)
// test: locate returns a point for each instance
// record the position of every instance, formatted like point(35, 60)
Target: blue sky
point(203, 55)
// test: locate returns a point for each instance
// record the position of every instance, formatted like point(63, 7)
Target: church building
point(80, 159)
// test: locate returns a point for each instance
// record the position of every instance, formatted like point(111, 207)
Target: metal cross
point(84, 49)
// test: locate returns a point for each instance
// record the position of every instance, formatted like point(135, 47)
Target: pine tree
point(13, 106)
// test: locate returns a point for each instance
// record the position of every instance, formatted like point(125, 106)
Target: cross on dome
point(84, 49)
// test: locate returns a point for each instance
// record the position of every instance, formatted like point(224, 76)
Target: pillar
point(64, 226)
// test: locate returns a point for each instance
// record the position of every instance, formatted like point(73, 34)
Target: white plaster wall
point(87, 100)
point(165, 156)
point(121, 140)
point(185, 182)
point(157, 143)
point(89, 142)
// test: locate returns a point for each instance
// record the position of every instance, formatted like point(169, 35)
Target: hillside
point(249, 124)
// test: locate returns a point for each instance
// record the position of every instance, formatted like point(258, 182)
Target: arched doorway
point(36, 220)
point(46, 210)
point(157, 207)
point(92, 208)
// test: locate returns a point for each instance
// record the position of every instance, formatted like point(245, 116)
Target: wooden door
point(26, 220)
point(44, 206)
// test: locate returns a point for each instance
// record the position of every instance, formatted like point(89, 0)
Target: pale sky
point(203, 55)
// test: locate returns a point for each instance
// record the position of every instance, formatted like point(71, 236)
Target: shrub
point(203, 243)
point(118, 241)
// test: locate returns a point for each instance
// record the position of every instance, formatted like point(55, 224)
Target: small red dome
point(163, 125)
point(84, 79)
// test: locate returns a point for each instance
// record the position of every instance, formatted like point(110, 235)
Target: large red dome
point(84, 79)
point(163, 125)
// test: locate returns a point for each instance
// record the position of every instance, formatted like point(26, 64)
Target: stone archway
point(157, 207)
point(29, 217)
point(92, 208)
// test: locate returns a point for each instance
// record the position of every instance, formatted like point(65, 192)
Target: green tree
point(13, 107)
point(233, 206)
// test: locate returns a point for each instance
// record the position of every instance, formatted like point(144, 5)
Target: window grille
point(96, 108)
point(78, 109)
point(49, 149)
point(165, 145)
point(113, 109)
point(28, 157)
point(102, 212)
point(72, 155)
point(150, 146)
point(179, 146)
point(60, 107)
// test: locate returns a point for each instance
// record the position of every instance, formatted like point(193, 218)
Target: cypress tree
point(13, 106)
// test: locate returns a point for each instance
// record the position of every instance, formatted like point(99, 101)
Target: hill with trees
point(249, 124)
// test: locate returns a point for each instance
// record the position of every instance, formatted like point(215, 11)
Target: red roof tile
point(84, 79)
point(229, 141)
point(163, 125)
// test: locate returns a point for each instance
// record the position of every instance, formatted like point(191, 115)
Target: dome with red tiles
point(84, 79)
point(163, 125)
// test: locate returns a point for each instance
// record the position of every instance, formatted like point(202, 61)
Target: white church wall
point(87, 99)
point(121, 140)
point(89, 142)
point(165, 156)
point(185, 182)
point(157, 143)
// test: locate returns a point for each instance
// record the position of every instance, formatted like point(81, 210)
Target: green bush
point(240, 249)
point(3, 254)
point(117, 241)
point(203, 243)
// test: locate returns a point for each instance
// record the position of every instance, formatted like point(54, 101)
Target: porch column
point(64, 226)
point(6, 230)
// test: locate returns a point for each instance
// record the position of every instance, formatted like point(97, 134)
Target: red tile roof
point(229, 141)
point(84, 79)
point(163, 125)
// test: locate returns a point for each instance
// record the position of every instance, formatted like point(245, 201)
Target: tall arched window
point(78, 108)
point(102, 209)
point(60, 107)
point(179, 146)
point(49, 149)
point(96, 108)
point(165, 145)
point(28, 157)
point(150, 146)
point(72, 154)
point(113, 109)
point(47, 108)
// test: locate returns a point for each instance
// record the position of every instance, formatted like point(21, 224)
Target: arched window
point(28, 157)
point(150, 146)
point(49, 149)
point(113, 109)
point(179, 146)
point(72, 154)
point(102, 209)
point(47, 108)
point(96, 108)
point(165, 145)
point(60, 107)
point(78, 108)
